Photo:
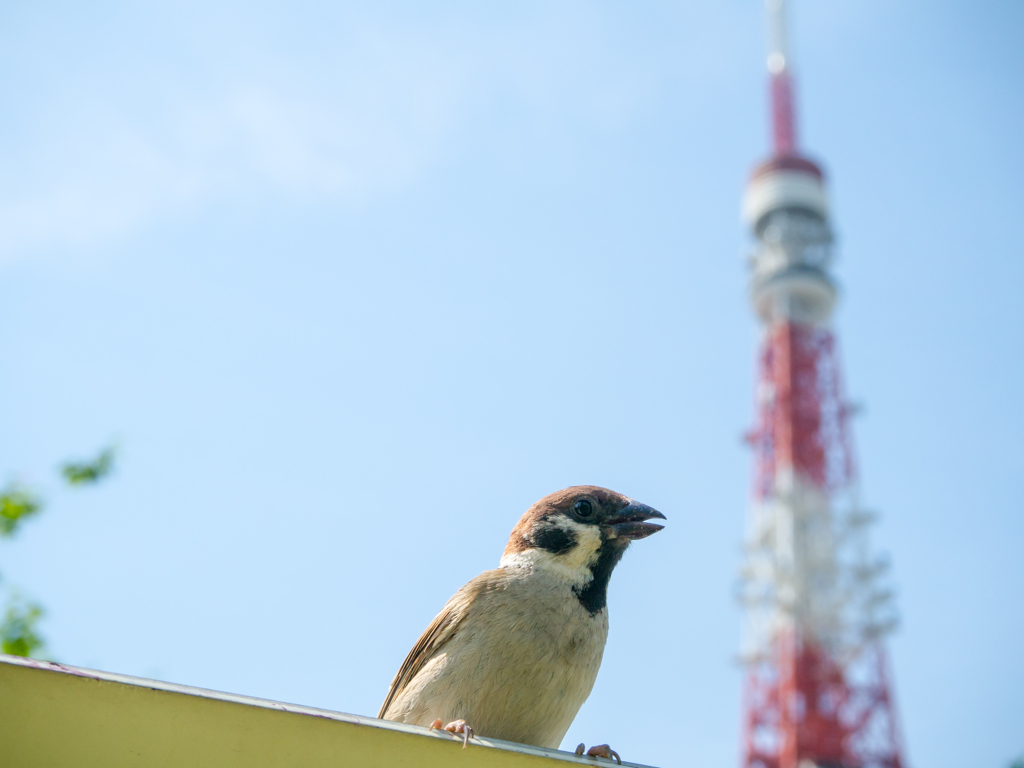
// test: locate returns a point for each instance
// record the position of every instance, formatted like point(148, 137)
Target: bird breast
point(518, 667)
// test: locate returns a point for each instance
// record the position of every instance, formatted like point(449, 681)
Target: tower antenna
point(781, 81)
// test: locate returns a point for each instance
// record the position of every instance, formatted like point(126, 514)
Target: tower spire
point(780, 81)
point(817, 611)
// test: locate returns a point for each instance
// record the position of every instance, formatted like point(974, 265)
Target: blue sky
point(354, 286)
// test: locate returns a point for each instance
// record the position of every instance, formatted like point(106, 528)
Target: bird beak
point(628, 522)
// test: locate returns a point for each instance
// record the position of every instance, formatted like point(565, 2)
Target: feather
point(442, 629)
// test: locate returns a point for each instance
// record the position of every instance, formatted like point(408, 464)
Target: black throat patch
point(594, 594)
point(554, 539)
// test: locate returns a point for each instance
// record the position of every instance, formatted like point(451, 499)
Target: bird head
point(579, 534)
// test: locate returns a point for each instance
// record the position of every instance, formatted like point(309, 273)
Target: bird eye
point(583, 508)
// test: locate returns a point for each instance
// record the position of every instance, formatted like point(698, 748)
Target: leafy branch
point(19, 635)
point(84, 473)
point(16, 504)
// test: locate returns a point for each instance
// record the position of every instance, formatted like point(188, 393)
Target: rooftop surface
point(53, 714)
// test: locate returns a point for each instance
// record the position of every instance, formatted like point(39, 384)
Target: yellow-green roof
point(66, 717)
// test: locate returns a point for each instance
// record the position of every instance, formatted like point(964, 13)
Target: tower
point(817, 690)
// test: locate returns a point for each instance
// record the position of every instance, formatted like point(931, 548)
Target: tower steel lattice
point(817, 688)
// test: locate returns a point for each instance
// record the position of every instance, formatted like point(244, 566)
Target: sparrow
point(515, 653)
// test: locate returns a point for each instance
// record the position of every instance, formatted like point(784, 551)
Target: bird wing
point(441, 630)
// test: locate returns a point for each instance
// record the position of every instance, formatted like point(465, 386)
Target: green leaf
point(18, 636)
point(16, 503)
point(87, 472)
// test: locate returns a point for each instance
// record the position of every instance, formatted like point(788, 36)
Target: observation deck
point(786, 207)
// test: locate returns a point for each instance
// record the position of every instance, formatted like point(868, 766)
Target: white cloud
point(112, 170)
point(354, 125)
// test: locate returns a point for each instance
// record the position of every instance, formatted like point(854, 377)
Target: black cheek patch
point(554, 540)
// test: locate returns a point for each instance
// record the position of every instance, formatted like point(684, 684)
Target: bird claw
point(456, 726)
point(601, 750)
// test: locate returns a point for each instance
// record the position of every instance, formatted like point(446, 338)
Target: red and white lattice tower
point(817, 683)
